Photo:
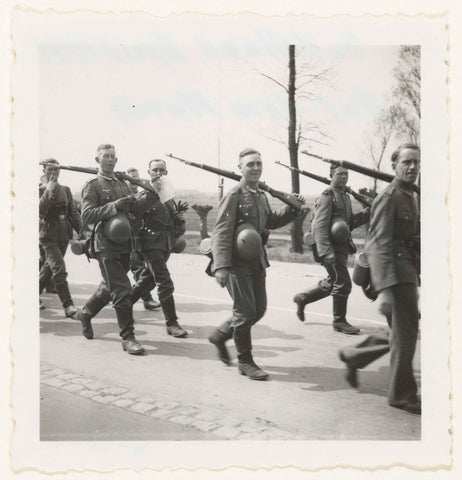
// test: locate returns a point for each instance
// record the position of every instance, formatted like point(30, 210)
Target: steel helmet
point(118, 229)
point(339, 231)
point(248, 242)
point(179, 245)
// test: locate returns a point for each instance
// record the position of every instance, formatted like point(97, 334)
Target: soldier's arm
point(281, 217)
point(75, 218)
point(143, 202)
point(360, 218)
point(379, 245)
point(47, 199)
point(223, 232)
point(321, 225)
point(92, 212)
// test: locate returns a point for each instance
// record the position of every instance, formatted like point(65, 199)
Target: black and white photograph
point(225, 229)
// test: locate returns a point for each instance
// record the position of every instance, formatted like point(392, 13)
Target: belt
point(61, 218)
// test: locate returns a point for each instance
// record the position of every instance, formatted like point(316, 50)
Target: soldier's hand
point(299, 197)
point(52, 182)
point(222, 276)
point(329, 259)
point(123, 204)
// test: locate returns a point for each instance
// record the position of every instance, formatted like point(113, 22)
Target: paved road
point(180, 381)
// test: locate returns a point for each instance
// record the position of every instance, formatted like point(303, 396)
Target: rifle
point(284, 197)
point(366, 201)
point(93, 171)
point(386, 177)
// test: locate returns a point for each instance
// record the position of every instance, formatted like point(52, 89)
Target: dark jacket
point(334, 203)
point(393, 239)
point(58, 214)
point(159, 227)
point(242, 205)
point(98, 197)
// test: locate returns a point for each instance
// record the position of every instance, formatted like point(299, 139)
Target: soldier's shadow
point(327, 379)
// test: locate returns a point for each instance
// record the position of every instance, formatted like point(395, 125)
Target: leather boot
point(85, 320)
point(125, 321)
point(310, 296)
point(173, 327)
point(246, 364)
point(219, 337)
point(340, 323)
point(149, 303)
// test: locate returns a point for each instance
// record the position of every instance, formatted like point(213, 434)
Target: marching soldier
point(137, 266)
point(331, 228)
point(58, 216)
point(159, 228)
point(106, 203)
point(393, 253)
point(245, 206)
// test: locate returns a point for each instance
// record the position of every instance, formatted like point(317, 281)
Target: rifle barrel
point(370, 172)
point(284, 197)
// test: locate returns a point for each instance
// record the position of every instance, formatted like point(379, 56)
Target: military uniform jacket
point(335, 203)
point(393, 240)
point(159, 227)
point(58, 214)
point(98, 196)
point(243, 205)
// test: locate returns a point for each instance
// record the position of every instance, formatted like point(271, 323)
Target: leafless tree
point(301, 86)
point(406, 94)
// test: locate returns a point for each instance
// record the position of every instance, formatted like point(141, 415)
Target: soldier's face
point(134, 174)
point(107, 160)
point(251, 167)
point(407, 165)
point(340, 177)
point(157, 170)
point(51, 173)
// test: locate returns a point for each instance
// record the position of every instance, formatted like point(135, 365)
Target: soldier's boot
point(218, 338)
point(62, 289)
point(246, 364)
point(91, 308)
point(340, 323)
point(142, 288)
point(127, 331)
point(304, 298)
point(173, 327)
point(149, 303)
point(366, 352)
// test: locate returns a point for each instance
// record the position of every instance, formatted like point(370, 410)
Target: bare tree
point(406, 94)
point(377, 140)
point(301, 86)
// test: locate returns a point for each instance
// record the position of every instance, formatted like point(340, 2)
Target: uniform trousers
point(401, 343)
point(156, 261)
point(116, 287)
point(248, 291)
point(55, 268)
point(142, 274)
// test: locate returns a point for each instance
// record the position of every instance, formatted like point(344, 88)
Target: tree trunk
point(296, 229)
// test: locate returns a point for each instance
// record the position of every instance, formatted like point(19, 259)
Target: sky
point(206, 103)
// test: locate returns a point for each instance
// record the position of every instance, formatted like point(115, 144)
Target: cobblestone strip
point(205, 420)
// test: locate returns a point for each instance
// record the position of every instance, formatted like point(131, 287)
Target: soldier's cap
point(49, 161)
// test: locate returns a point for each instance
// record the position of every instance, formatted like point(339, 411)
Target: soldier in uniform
point(137, 266)
point(331, 228)
point(103, 198)
point(58, 216)
point(393, 253)
point(160, 226)
point(244, 279)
